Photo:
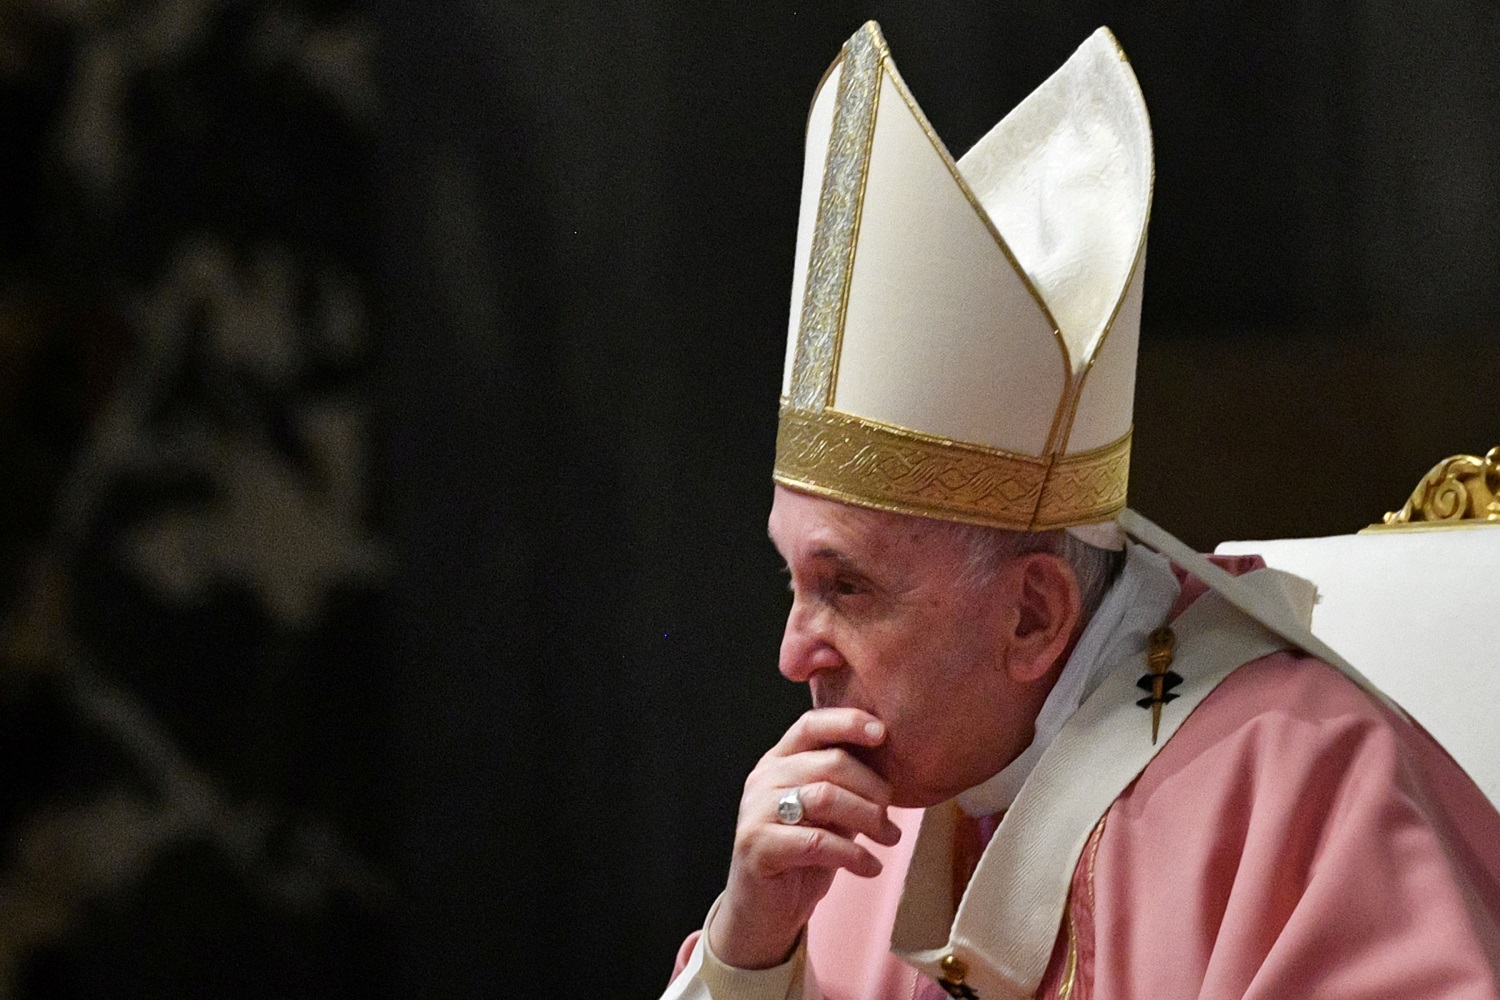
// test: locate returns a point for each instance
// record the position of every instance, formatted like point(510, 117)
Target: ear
point(1044, 618)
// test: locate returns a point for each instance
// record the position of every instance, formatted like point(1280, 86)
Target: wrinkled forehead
point(803, 526)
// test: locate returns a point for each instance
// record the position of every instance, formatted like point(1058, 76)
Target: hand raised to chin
point(780, 869)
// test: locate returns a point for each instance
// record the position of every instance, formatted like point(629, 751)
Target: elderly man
point(1045, 759)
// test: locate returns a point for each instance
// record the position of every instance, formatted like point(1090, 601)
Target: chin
point(906, 797)
point(906, 791)
point(911, 791)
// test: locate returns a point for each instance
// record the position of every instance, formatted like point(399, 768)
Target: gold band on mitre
point(874, 465)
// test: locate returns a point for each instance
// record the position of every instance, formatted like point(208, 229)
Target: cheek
point(953, 689)
point(912, 723)
point(921, 682)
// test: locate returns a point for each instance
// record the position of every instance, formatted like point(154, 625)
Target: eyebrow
point(843, 560)
point(824, 551)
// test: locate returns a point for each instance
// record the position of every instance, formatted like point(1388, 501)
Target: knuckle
point(819, 795)
point(752, 786)
point(813, 840)
point(834, 759)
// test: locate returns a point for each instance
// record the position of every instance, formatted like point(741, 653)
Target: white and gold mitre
point(963, 335)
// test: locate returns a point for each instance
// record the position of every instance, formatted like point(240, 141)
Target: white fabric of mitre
point(940, 333)
point(1137, 603)
point(1064, 179)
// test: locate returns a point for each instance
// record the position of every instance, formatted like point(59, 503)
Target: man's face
point(882, 620)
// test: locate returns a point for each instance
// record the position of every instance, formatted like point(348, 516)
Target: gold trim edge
point(840, 194)
point(886, 468)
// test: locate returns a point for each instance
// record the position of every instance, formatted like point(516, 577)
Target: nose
point(806, 645)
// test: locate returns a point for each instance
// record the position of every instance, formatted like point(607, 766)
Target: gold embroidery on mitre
point(1086, 487)
point(892, 468)
point(888, 468)
point(831, 259)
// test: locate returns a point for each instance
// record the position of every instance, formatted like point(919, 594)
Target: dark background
point(387, 400)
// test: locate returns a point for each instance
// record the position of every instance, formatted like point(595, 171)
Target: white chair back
point(1418, 613)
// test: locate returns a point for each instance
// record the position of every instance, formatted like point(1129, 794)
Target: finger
point(822, 727)
point(827, 805)
point(835, 764)
point(782, 849)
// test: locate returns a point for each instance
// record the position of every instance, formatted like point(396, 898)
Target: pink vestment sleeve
point(849, 935)
point(1295, 839)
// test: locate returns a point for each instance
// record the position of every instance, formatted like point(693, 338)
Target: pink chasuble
point(1293, 839)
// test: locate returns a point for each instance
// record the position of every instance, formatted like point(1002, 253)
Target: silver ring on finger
point(789, 807)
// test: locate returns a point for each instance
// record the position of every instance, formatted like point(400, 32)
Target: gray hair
point(989, 549)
